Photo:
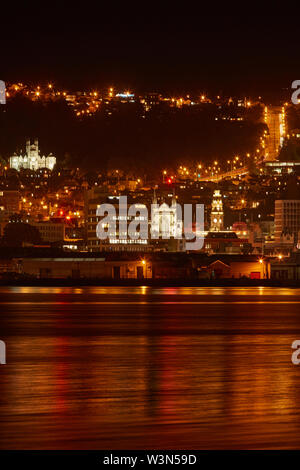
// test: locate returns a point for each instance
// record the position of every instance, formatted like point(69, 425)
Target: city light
point(149, 235)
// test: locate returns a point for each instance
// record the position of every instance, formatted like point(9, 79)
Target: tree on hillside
point(290, 152)
point(20, 233)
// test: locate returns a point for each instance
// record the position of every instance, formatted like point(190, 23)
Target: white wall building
point(32, 160)
point(165, 222)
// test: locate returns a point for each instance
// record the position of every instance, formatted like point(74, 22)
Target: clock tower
point(217, 214)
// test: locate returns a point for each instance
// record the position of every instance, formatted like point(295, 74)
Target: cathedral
point(32, 159)
point(165, 222)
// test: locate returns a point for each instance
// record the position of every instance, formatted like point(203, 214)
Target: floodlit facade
point(217, 214)
point(32, 160)
point(92, 202)
point(274, 117)
point(165, 222)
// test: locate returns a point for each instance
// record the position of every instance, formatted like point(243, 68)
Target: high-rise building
point(287, 219)
point(93, 200)
point(162, 221)
point(32, 159)
point(274, 117)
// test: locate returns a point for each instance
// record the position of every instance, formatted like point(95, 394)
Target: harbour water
point(149, 368)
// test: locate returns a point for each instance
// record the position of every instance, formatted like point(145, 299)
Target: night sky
point(154, 50)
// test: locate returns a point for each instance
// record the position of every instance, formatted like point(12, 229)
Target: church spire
point(154, 196)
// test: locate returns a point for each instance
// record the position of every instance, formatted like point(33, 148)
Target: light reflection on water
point(149, 376)
point(140, 290)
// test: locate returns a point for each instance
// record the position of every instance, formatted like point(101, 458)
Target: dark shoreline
point(69, 282)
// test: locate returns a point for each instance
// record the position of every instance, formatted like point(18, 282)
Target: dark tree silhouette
point(19, 234)
point(290, 152)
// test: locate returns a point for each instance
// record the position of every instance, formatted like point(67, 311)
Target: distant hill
point(124, 139)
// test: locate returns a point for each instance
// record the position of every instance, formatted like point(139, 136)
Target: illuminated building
point(93, 200)
point(32, 159)
point(280, 168)
point(217, 214)
point(125, 97)
point(150, 100)
point(164, 220)
point(274, 117)
point(83, 265)
point(241, 229)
